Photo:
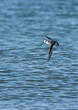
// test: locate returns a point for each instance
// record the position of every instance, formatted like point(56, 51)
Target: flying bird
point(51, 43)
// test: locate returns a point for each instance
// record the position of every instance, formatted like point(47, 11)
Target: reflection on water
point(27, 80)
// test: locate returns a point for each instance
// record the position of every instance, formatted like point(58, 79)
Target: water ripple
point(27, 79)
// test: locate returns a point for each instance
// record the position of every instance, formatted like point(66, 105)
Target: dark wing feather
point(48, 37)
point(57, 44)
point(50, 52)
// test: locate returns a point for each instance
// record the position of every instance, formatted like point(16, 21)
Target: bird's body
point(51, 43)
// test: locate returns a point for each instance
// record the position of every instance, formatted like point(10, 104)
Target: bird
point(51, 42)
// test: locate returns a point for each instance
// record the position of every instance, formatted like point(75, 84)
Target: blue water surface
point(28, 81)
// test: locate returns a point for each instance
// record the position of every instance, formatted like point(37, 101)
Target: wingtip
point(46, 36)
point(57, 44)
point(48, 59)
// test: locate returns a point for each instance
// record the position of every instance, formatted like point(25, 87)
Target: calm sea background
point(27, 80)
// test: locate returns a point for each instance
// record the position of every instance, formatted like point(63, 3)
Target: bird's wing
point(48, 37)
point(57, 44)
point(50, 52)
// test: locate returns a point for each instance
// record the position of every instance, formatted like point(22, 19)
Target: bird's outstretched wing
point(57, 43)
point(48, 37)
point(50, 52)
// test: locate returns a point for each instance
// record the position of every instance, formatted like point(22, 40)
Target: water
point(27, 80)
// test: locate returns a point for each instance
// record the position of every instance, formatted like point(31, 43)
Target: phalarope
point(51, 43)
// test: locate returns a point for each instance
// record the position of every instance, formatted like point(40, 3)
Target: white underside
point(46, 42)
